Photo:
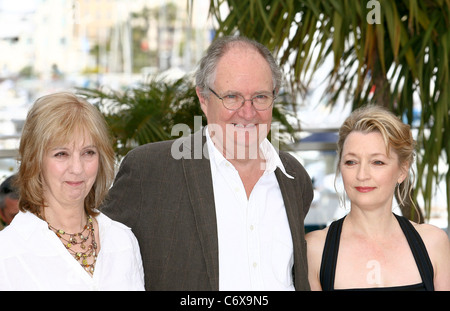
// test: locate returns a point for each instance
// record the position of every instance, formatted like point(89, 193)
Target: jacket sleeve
point(123, 200)
point(140, 175)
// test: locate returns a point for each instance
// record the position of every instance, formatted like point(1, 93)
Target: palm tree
point(145, 113)
point(391, 53)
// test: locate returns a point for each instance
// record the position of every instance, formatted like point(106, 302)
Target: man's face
point(243, 71)
point(11, 209)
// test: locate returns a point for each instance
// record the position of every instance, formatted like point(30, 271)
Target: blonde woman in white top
point(59, 240)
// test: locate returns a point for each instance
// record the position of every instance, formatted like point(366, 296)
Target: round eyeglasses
point(260, 101)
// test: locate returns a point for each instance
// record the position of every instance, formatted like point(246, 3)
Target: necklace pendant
point(72, 240)
point(81, 257)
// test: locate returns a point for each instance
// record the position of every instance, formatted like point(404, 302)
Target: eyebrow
point(372, 154)
point(65, 148)
point(254, 93)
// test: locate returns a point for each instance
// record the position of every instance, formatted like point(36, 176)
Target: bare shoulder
point(317, 236)
point(315, 241)
point(436, 241)
point(431, 235)
point(314, 249)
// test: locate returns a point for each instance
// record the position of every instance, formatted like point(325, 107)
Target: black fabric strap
point(419, 252)
point(330, 254)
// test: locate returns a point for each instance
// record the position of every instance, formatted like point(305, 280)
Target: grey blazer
point(169, 204)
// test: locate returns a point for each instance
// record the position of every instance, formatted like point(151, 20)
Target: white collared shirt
point(33, 258)
point(255, 242)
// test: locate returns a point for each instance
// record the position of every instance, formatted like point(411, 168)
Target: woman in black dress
point(371, 248)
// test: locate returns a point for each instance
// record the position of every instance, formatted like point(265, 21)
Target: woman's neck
point(71, 220)
point(372, 224)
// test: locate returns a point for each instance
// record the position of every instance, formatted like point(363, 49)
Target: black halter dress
point(331, 248)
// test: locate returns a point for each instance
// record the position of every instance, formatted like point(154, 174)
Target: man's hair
point(206, 71)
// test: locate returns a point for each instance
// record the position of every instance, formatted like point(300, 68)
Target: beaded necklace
point(87, 257)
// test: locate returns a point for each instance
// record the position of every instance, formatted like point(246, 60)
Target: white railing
point(6, 153)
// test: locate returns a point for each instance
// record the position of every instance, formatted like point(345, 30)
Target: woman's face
point(368, 173)
point(69, 171)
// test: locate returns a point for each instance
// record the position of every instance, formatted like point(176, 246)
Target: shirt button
point(254, 265)
point(251, 227)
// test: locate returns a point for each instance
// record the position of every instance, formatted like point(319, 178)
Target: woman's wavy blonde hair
point(53, 120)
point(397, 137)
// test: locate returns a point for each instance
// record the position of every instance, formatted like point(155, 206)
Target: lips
point(244, 126)
point(364, 189)
point(74, 183)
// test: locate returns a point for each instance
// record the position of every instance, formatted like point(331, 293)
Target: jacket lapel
point(287, 191)
point(197, 172)
point(293, 204)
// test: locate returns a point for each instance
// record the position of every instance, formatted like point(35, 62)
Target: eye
point(90, 152)
point(231, 97)
point(261, 96)
point(349, 162)
point(60, 154)
point(378, 162)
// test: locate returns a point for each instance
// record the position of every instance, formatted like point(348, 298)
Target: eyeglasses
point(260, 102)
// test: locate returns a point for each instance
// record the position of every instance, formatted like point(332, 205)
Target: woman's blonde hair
point(53, 120)
point(397, 137)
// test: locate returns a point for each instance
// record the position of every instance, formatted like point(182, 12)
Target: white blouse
point(33, 258)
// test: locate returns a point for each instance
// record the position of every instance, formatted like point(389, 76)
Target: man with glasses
point(231, 219)
point(9, 202)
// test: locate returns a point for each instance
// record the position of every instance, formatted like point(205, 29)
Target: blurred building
point(78, 36)
point(49, 45)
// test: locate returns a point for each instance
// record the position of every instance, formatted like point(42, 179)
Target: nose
point(363, 172)
point(76, 165)
point(247, 111)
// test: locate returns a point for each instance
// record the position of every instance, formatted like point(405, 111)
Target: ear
point(203, 101)
point(276, 91)
point(404, 171)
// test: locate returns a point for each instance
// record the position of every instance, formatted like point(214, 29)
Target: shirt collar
point(267, 149)
point(29, 222)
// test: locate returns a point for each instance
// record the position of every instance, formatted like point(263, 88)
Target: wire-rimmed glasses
point(234, 101)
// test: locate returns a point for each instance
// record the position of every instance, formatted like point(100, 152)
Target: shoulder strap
point(419, 252)
point(330, 254)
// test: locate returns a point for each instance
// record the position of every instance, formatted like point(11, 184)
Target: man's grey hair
point(206, 71)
